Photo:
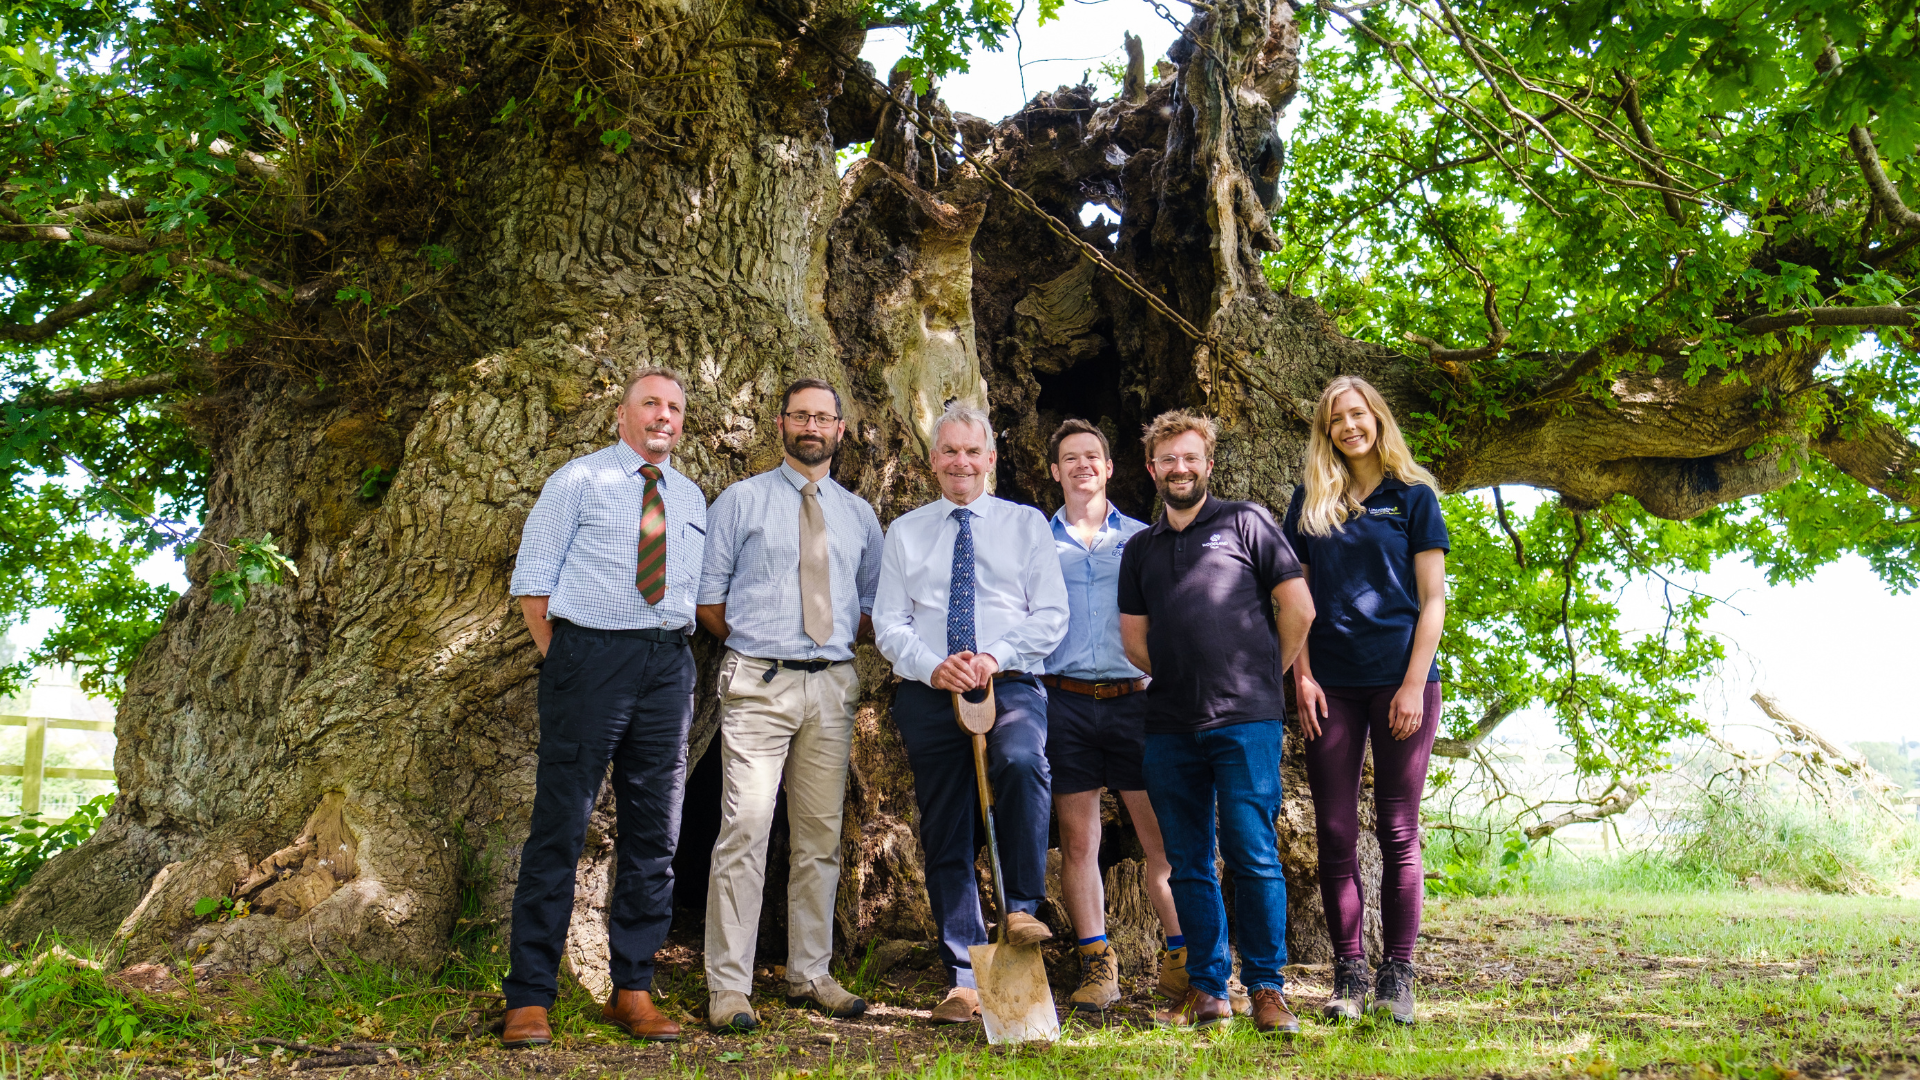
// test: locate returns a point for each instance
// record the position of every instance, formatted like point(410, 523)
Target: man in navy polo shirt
point(1214, 608)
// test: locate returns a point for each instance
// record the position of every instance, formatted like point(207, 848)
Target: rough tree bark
point(354, 750)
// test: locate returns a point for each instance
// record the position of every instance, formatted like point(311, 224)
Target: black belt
point(664, 637)
point(810, 666)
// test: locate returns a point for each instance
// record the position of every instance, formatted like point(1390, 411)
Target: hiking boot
point(526, 1026)
point(961, 1005)
point(632, 1011)
point(1270, 1012)
point(825, 995)
point(1173, 973)
point(1393, 992)
point(729, 1010)
point(1349, 999)
point(1099, 979)
point(1024, 929)
point(1196, 1009)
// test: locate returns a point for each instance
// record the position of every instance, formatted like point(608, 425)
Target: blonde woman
point(1369, 533)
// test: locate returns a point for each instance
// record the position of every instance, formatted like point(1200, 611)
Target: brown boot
point(1173, 973)
point(1196, 1010)
point(1270, 1012)
point(1099, 979)
point(632, 1011)
point(961, 1005)
point(526, 1026)
point(1024, 929)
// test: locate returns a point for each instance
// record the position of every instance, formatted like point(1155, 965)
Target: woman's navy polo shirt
point(1366, 601)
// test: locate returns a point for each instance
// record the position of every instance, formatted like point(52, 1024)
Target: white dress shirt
point(1020, 598)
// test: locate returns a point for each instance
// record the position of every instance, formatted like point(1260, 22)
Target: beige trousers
point(801, 723)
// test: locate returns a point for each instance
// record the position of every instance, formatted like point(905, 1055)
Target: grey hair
point(964, 414)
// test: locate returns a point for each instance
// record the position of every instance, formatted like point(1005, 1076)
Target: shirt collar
point(630, 459)
point(977, 506)
point(797, 478)
point(1061, 525)
point(1208, 510)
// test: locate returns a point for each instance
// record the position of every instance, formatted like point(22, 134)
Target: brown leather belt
point(1099, 691)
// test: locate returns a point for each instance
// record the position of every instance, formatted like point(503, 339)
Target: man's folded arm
point(893, 632)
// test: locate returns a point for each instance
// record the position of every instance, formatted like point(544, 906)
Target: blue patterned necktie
point(960, 587)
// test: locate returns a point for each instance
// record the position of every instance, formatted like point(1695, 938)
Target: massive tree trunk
point(353, 752)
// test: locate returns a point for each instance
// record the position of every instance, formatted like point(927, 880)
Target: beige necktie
point(816, 578)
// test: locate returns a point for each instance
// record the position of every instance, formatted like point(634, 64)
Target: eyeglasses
point(811, 419)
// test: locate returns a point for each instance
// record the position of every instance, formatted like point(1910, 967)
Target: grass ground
point(1576, 985)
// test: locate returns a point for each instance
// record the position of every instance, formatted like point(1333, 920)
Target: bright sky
point(1835, 651)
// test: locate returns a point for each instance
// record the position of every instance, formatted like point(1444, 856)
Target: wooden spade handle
point(974, 717)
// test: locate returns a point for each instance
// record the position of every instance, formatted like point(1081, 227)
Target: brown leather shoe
point(632, 1011)
point(1270, 1012)
point(1196, 1010)
point(961, 1005)
point(1024, 929)
point(526, 1026)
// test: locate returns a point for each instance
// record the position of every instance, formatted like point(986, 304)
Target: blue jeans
point(1237, 767)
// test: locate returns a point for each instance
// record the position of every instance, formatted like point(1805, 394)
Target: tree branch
point(1885, 195)
point(1615, 801)
point(375, 44)
point(99, 393)
point(1644, 134)
point(1877, 315)
point(131, 245)
point(1877, 454)
point(1495, 715)
point(59, 318)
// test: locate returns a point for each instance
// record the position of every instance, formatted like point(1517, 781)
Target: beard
point(810, 453)
point(1188, 501)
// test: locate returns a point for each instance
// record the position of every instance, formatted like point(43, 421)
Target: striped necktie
point(651, 576)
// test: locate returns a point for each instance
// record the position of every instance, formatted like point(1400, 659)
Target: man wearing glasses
point(791, 565)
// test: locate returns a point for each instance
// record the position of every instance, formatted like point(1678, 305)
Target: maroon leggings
point(1399, 779)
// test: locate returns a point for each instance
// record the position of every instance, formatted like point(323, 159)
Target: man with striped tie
point(609, 566)
point(970, 595)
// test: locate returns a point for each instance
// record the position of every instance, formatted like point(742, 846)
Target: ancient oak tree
point(343, 283)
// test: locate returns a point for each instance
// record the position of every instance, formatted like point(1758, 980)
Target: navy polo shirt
point(1208, 590)
point(1365, 599)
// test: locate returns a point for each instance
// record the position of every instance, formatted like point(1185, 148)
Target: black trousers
point(951, 834)
point(603, 697)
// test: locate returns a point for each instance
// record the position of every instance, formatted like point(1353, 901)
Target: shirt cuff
point(1003, 654)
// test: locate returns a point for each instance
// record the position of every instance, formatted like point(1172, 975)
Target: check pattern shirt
point(581, 544)
point(753, 565)
point(1092, 650)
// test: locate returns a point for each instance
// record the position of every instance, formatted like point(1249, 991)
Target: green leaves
point(27, 843)
point(256, 562)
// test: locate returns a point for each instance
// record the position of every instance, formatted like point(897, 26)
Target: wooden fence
point(33, 772)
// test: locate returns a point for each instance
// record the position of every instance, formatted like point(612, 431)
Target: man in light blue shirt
point(1096, 718)
point(792, 562)
point(609, 562)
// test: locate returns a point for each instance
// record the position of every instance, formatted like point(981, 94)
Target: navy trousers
point(951, 833)
point(603, 697)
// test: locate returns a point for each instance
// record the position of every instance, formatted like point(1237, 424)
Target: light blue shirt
point(581, 544)
point(1020, 604)
point(753, 565)
point(1091, 650)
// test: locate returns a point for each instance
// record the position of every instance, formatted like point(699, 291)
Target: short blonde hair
point(655, 371)
point(1178, 422)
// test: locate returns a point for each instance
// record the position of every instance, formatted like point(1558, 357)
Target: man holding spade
point(970, 597)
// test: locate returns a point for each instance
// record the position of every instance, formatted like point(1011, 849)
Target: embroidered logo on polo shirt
point(1214, 541)
point(1383, 511)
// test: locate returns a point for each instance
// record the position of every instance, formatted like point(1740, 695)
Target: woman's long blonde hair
point(1330, 499)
